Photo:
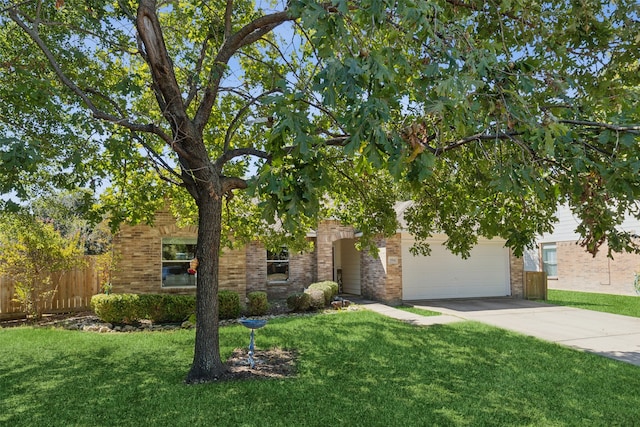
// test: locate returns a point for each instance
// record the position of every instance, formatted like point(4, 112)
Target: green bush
point(316, 298)
point(328, 288)
point(229, 305)
point(116, 308)
point(131, 308)
point(167, 308)
point(334, 288)
point(299, 302)
point(257, 304)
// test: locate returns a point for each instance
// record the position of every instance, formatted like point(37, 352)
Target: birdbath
point(252, 324)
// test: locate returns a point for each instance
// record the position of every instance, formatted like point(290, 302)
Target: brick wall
point(394, 269)
point(302, 272)
point(257, 270)
point(244, 270)
point(516, 271)
point(373, 277)
point(381, 275)
point(580, 271)
point(139, 265)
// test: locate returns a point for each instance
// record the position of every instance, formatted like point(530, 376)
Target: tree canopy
point(486, 114)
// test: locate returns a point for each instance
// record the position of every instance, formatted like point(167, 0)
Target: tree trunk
point(207, 365)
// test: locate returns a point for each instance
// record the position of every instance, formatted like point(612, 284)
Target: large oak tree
point(486, 114)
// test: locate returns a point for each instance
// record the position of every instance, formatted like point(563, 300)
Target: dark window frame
point(278, 266)
point(175, 259)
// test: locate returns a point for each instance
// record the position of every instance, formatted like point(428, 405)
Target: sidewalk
point(405, 316)
point(609, 335)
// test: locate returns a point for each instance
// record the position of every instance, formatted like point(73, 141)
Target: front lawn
point(616, 304)
point(353, 368)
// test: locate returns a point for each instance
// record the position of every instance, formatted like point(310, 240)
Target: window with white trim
point(177, 253)
point(550, 259)
point(278, 266)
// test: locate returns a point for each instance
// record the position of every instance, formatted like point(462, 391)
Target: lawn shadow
point(353, 368)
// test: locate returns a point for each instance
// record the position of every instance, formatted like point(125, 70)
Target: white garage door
point(445, 275)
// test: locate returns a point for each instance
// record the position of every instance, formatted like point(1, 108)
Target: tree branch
point(233, 125)
point(160, 64)
point(461, 3)
point(156, 160)
point(459, 143)
point(192, 82)
point(227, 156)
point(246, 35)
point(232, 183)
point(82, 95)
point(15, 6)
point(227, 19)
point(618, 128)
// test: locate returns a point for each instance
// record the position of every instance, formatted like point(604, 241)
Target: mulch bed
point(273, 363)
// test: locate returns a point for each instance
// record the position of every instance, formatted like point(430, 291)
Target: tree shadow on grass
point(351, 369)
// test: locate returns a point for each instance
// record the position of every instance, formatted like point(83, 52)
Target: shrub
point(116, 308)
point(298, 302)
point(258, 304)
point(179, 307)
point(328, 288)
point(229, 305)
point(167, 308)
point(334, 288)
point(316, 298)
point(131, 308)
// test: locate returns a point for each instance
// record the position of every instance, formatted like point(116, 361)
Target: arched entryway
point(346, 266)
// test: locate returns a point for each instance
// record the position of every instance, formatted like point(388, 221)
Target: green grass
point(616, 304)
point(353, 369)
point(416, 310)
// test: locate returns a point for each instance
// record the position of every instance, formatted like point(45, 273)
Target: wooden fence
point(75, 289)
point(535, 286)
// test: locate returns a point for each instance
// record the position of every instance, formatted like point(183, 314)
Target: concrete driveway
point(609, 335)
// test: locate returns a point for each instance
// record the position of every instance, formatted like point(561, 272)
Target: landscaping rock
point(89, 322)
point(187, 325)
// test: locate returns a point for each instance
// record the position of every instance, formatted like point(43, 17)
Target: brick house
point(156, 259)
point(570, 267)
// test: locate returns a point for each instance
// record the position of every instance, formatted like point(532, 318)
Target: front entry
point(346, 266)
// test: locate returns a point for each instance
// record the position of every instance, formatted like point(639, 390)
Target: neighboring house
point(156, 259)
point(570, 267)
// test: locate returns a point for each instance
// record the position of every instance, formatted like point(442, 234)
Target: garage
point(445, 275)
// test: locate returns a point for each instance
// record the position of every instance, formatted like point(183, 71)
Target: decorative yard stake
point(252, 324)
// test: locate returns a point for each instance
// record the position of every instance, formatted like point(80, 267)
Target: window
point(278, 266)
point(550, 259)
point(177, 254)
